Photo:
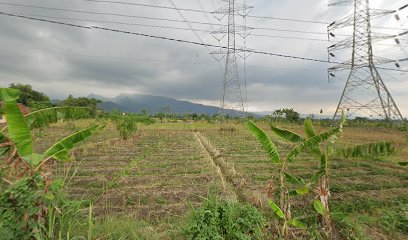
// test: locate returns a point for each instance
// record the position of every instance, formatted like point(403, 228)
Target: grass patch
point(225, 220)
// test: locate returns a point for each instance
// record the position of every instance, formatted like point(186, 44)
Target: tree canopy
point(31, 98)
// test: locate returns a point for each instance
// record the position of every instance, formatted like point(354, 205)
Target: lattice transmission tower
point(365, 93)
point(232, 95)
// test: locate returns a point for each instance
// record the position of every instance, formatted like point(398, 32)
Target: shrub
point(225, 220)
point(126, 126)
point(20, 209)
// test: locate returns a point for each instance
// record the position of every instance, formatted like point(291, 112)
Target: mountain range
point(153, 104)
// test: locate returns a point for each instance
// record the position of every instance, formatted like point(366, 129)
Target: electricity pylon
point(365, 92)
point(231, 93)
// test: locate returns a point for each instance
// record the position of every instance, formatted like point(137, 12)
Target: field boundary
point(225, 172)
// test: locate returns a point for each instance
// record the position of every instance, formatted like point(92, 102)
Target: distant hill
point(153, 104)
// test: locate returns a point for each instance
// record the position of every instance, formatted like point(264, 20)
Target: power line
point(175, 39)
point(102, 58)
point(161, 37)
point(129, 59)
point(201, 11)
point(146, 5)
point(289, 37)
point(124, 15)
point(166, 27)
point(164, 7)
point(115, 22)
point(179, 28)
point(160, 19)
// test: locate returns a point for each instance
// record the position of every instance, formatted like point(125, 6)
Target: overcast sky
point(61, 60)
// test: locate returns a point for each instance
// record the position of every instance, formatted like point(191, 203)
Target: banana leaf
point(366, 150)
point(9, 94)
point(310, 144)
point(60, 150)
point(18, 131)
point(278, 212)
point(43, 117)
point(265, 141)
point(309, 129)
point(286, 134)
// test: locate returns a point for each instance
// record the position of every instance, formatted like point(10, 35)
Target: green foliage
point(23, 215)
point(31, 98)
point(126, 125)
point(9, 95)
point(265, 141)
point(292, 222)
point(59, 150)
point(276, 210)
point(297, 223)
point(287, 135)
point(18, 130)
point(318, 206)
point(225, 220)
point(20, 135)
point(311, 143)
point(309, 129)
point(44, 117)
point(396, 220)
point(23, 204)
point(301, 187)
point(367, 150)
point(80, 102)
point(289, 114)
point(90, 103)
point(20, 209)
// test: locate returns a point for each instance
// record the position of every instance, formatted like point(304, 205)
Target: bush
point(19, 209)
point(225, 220)
point(126, 125)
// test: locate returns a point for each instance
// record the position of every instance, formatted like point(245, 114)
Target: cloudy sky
point(61, 60)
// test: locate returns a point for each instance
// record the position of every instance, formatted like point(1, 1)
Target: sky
point(61, 60)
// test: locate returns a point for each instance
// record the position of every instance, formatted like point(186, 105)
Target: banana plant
point(24, 167)
point(286, 222)
point(17, 131)
point(322, 146)
point(283, 212)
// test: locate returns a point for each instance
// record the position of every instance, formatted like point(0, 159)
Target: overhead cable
point(174, 39)
point(169, 19)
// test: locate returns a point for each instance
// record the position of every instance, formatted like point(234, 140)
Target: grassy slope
point(161, 171)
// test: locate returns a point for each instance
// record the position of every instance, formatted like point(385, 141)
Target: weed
point(161, 200)
point(20, 209)
point(225, 220)
point(227, 129)
point(395, 220)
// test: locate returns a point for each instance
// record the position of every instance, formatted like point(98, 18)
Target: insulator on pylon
point(397, 41)
point(332, 34)
point(332, 74)
point(397, 17)
point(332, 54)
point(397, 65)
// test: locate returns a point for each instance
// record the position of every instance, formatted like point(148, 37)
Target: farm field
point(165, 169)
